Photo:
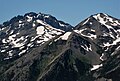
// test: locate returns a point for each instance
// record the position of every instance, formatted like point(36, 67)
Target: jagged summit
point(38, 47)
point(35, 19)
point(101, 28)
point(30, 30)
point(102, 18)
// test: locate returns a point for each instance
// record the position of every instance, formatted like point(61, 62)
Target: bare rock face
point(38, 47)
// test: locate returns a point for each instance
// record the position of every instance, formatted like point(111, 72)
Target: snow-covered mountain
point(103, 30)
point(38, 47)
point(22, 33)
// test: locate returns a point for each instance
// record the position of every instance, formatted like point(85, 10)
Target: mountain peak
point(106, 19)
point(29, 31)
point(37, 19)
point(101, 14)
point(38, 47)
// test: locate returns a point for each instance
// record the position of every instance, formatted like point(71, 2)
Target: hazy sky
point(71, 11)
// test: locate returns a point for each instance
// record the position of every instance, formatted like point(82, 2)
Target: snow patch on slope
point(85, 47)
point(66, 35)
point(40, 30)
point(41, 22)
point(114, 42)
point(89, 35)
point(86, 21)
point(61, 24)
point(15, 42)
point(29, 18)
point(96, 67)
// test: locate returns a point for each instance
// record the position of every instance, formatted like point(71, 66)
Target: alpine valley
point(38, 47)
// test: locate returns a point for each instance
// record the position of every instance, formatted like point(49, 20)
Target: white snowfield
point(65, 36)
point(46, 32)
point(40, 30)
point(96, 67)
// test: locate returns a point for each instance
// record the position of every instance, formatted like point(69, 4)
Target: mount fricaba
point(38, 47)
